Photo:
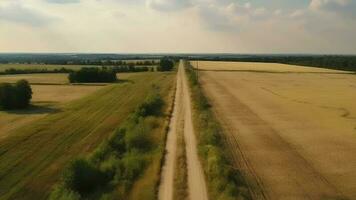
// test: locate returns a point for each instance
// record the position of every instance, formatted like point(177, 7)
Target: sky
point(178, 26)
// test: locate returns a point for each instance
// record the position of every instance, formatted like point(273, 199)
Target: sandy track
point(182, 111)
point(290, 148)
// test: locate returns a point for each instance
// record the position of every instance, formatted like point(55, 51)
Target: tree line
point(93, 75)
point(15, 96)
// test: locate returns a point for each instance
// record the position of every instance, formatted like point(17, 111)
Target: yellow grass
point(258, 67)
point(36, 78)
point(313, 113)
point(46, 99)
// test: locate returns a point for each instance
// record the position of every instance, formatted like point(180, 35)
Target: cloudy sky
point(184, 26)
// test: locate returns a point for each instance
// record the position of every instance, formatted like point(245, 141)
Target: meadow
point(70, 121)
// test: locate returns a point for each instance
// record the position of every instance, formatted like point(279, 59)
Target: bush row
point(110, 171)
point(15, 96)
point(92, 75)
point(224, 182)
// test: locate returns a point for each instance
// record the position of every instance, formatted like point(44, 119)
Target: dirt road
point(182, 112)
point(292, 135)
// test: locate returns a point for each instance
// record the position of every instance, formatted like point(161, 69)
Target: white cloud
point(168, 5)
point(18, 13)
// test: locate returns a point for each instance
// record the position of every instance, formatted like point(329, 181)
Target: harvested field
point(259, 67)
point(32, 158)
point(36, 78)
point(293, 134)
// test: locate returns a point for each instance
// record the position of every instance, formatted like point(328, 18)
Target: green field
point(32, 158)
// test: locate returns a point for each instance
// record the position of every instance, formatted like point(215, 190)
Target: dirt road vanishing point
point(182, 116)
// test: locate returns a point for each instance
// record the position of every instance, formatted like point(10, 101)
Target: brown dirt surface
point(197, 189)
point(293, 135)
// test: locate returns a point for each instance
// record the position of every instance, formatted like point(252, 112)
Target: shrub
point(152, 105)
point(81, 176)
point(92, 75)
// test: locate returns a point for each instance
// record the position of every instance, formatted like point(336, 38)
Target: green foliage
point(224, 182)
point(152, 105)
point(62, 193)
point(82, 176)
point(165, 65)
point(15, 96)
point(92, 75)
point(118, 161)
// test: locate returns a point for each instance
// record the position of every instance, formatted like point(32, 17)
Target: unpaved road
point(182, 112)
point(293, 136)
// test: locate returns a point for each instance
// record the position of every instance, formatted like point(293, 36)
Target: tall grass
point(112, 169)
point(224, 182)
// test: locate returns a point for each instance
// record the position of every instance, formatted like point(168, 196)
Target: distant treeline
point(347, 63)
point(35, 71)
point(117, 69)
point(57, 58)
point(93, 75)
point(15, 96)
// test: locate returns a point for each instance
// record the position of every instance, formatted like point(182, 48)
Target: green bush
point(83, 177)
point(152, 105)
point(63, 193)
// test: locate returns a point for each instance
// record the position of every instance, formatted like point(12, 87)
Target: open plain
point(292, 134)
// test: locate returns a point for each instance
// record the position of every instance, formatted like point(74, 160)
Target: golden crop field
point(36, 78)
point(258, 67)
point(296, 131)
point(46, 99)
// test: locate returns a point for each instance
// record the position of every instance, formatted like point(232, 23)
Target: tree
point(23, 94)
point(6, 96)
point(15, 96)
point(165, 65)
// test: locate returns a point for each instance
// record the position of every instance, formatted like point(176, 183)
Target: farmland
point(35, 151)
point(259, 67)
point(291, 134)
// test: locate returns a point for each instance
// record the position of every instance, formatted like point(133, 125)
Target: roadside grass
point(181, 173)
point(224, 182)
point(31, 160)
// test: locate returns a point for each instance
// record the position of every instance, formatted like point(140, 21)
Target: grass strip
point(224, 182)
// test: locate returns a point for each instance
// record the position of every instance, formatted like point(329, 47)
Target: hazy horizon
point(178, 26)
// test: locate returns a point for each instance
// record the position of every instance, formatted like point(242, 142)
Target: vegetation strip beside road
point(117, 163)
point(224, 182)
point(32, 158)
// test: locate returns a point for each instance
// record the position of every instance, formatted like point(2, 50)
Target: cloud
point(345, 8)
point(168, 5)
point(63, 1)
point(17, 13)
